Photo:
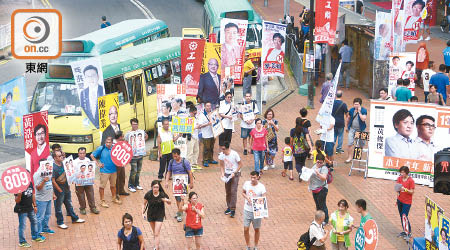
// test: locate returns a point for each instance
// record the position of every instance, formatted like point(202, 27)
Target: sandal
point(291, 178)
point(283, 174)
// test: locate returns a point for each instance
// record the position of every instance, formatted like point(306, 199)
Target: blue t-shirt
point(104, 155)
point(446, 53)
point(177, 168)
point(339, 111)
point(57, 171)
point(104, 25)
point(440, 80)
point(403, 94)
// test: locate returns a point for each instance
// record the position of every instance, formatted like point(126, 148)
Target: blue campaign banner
point(13, 106)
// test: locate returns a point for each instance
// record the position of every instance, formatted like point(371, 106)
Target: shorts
point(248, 218)
point(329, 148)
point(104, 177)
point(190, 232)
point(179, 198)
point(245, 132)
point(288, 165)
point(155, 219)
point(426, 23)
point(351, 138)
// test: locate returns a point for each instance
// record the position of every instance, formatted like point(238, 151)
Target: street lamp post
point(311, 53)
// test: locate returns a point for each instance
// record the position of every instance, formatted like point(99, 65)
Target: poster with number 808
point(15, 179)
point(121, 153)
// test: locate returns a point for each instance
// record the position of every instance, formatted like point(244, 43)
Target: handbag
point(61, 179)
point(444, 22)
point(270, 133)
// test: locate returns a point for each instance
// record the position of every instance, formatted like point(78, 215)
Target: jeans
point(403, 208)
point(164, 164)
point(300, 161)
point(22, 224)
point(258, 156)
point(66, 199)
point(247, 85)
point(135, 172)
point(426, 93)
point(231, 188)
point(43, 215)
point(339, 137)
point(320, 199)
point(345, 69)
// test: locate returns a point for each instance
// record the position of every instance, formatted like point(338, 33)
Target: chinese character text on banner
point(273, 45)
point(13, 106)
point(414, 11)
point(382, 36)
point(191, 63)
point(326, 21)
point(36, 144)
point(108, 110)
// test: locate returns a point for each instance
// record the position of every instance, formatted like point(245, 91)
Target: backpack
point(305, 243)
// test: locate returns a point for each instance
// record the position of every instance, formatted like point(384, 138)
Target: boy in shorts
point(287, 158)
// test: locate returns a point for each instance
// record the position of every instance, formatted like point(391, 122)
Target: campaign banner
point(69, 169)
point(254, 54)
point(84, 172)
point(191, 63)
point(211, 51)
point(233, 34)
point(383, 45)
point(326, 21)
point(136, 139)
point(35, 139)
point(45, 169)
point(88, 76)
point(273, 47)
point(402, 65)
point(260, 209)
point(14, 106)
point(397, 22)
point(348, 4)
point(444, 231)
point(433, 216)
point(181, 144)
point(108, 110)
point(406, 134)
point(171, 100)
point(183, 125)
point(327, 106)
point(180, 184)
point(414, 15)
point(217, 127)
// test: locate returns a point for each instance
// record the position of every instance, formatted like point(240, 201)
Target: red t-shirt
point(405, 197)
point(193, 220)
point(259, 139)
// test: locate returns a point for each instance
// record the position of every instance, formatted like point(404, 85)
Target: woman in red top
point(194, 214)
point(258, 142)
point(405, 191)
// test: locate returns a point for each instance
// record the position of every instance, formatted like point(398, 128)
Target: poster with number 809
point(121, 153)
point(15, 179)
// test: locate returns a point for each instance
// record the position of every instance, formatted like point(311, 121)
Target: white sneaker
point(139, 188)
point(428, 38)
point(79, 221)
point(63, 226)
point(272, 166)
point(420, 38)
point(266, 168)
point(131, 189)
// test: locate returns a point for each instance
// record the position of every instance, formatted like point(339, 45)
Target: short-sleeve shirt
point(248, 65)
point(156, 207)
point(339, 111)
point(206, 131)
point(177, 167)
point(403, 94)
point(440, 80)
point(314, 181)
point(103, 153)
point(138, 231)
point(230, 161)
point(426, 76)
point(405, 197)
point(259, 139)
point(316, 230)
point(446, 51)
point(46, 193)
point(364, 219)
point(226, 109)
point(287, 154)
point(26, 202)
point(253, 192)
point(58, 171)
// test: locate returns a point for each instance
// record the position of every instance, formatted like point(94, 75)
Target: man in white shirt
point(248, 111)
point(225, 112)
point(327, 128)
point(205, 124)
point(252, 189)
point(192, 141)
point(426, 76)
point(230, 167)
point(317, 231)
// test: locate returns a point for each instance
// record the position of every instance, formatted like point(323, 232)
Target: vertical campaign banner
point(36, 143)
point(402, 65)
point(108, 107)
point(13, 106)
point(88, 77)
point(273, 47)
point(397, 24)
point(433, 218)
point(406, 134)
point(414, 15)
point(444, 231)
point(233, 34)
point(327, 106)
point(170, 100)
point(191, 63)
point(326, 21)
point(211, 52)
point(382, 36)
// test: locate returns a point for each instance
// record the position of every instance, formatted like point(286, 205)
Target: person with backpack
point(300, 146)
point(129, 237)
point(179, 165)
point(318, 184)
point(342, 227)
point(318, 232)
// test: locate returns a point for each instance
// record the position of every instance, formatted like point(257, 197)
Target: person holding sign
point(192, 141)
point(44, 196)
point(356, 121)
point(230, 167)
point(318, 184)
point(248, 111)
point(195, 212)
point(404, 198)
point(205, 124)
point(252, 189)
point(225, 112)
point(165, 142)
point(86, 189)
point(138, 155)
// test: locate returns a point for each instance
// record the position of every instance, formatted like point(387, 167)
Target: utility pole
point(310, 76)
point(286, 8)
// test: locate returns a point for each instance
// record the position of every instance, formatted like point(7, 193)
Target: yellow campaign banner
point(212, 51)
point(108, 110)
point(183, 125)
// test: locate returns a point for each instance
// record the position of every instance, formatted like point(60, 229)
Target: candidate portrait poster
point(35, 139)
point(84, 172)
point(382, 36)
point(136, 139)
point(108, 110)
point(260, 209)
point(402, 65)
point(414, 15)
point(273, 47)
point(69, 168)
point(171, 100)
point(45, 169)
point(406, 134)
point(212, 51)
point(191, 62)
point(233, 34)
point(433, 218)
point(397, 22)
point(444, 233)
point(88, 76)
point(180, 184)
point(13, 106)
point(326, 21)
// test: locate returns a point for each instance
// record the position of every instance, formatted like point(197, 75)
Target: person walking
point(195, 212)
point(405, 190)
point(108, 171)
point(129, 237)
point(317, 231)
point(225, 112)
point(138, 155)
point(165, 142)
point(154, 209)
point(258, 143)
point(248, 124)
point(271, 125)
point(120, 181)
point(87, 189)
point(230, 167)
point(340, 114)
point(435, 97)
point(208, 140)
point(326, 87)
point(342, 227)
point(192, 140)
point(441, 81)
point(318, 184)
point(356, 121)
point(252, 189)
point(287, 159)
point(62, 192)
point(427, 74)
point(346, 53)
point(44, 196)
point(299, 145)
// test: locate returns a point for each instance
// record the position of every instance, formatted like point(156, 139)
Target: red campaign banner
point(36, 142)
point(121, 153)
point(326, 21)
point(15, 179)
point(191, 64)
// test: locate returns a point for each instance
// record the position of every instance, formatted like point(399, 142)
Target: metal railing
point(5, 35)
point(295, 60)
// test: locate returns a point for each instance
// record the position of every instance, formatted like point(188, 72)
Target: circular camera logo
point(36, 29)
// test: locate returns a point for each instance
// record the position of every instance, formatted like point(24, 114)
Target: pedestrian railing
point(295, 59)
point(5, 35)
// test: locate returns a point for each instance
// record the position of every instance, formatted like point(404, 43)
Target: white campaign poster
point(46, 168)
point(171, 100)
point(406, 134)
point(136, 139)
point(382, 36)
point(216, 123)
point(181, 143)
point(397, 36)
point(273, 47)
point(88, 76)
point(84, 172)
point(402, 65)
point(68, 164)
point(180, 184)
point(260, 209)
